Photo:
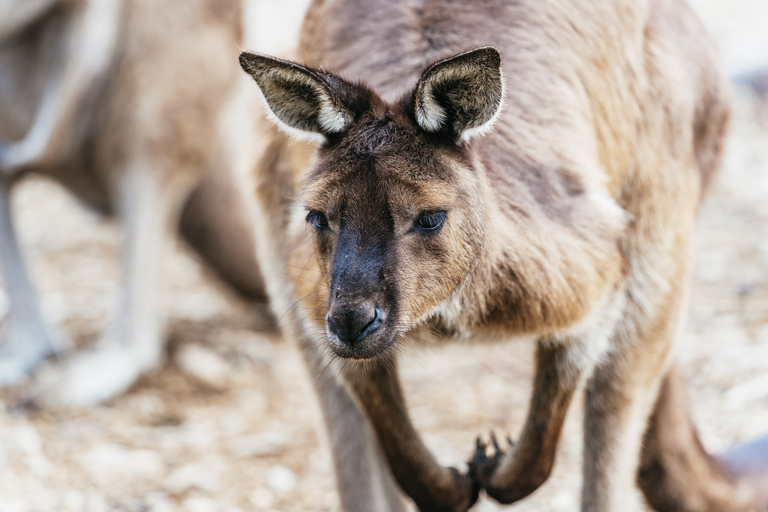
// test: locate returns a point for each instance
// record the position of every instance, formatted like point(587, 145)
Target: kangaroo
point(491, 170)
point(108, 98)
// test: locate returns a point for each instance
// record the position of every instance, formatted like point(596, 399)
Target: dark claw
point(482, 466)
point(477, 461)
point(480, 456)
point(496, 446)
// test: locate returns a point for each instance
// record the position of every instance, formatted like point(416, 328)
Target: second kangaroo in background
point(119, 101)
point(551, 199)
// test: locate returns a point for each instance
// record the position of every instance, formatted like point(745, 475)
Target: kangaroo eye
point(319, 219)
point(430, 221)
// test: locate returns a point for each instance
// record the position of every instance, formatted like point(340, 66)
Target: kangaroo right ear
point(310, 103)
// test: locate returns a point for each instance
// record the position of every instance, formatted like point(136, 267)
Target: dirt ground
point(231, 424)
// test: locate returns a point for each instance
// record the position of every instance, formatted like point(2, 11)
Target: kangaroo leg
point(133, 343)
point(511, 476)
point(89, 44)
point(149, 208)
point(676, 473)
point(28, 337)
point(216, 223)
point(432, 486)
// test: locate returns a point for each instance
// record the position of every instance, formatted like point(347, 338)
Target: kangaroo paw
point(483, 466)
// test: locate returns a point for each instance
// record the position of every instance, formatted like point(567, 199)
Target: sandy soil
point(231, 424)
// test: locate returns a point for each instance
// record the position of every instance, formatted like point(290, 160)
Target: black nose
point(353, 324)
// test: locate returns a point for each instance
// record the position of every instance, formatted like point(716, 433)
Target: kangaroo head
point(395, 200)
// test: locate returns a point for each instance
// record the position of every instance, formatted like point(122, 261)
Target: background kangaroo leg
point(677, 474)
point(28, 338)
point(215, 222)
point(89, 45)
point(133, 343)
point(515, 474)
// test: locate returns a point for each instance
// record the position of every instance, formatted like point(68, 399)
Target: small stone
point(253, 402)
point(29, 442)
point(233, 423)
point(107, 462)
point(272, 442)
point(204, 365)
point(200, 504)
point(259, 349)
point(742, 394)
point(203, 476)
point(281, 478)
point(98, 503)
point(159, 502)
point(133, 504)
point(15, 505)
point(73, 500)
point(262, 498)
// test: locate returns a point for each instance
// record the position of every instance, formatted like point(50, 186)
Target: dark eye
point(430, 221)
point(319, 218)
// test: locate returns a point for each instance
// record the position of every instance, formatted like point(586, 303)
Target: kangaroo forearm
point(431, 486)
point(530, 464)
point(525, 468)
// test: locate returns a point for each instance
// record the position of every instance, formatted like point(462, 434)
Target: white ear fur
point(429, 114)
point(463, 93)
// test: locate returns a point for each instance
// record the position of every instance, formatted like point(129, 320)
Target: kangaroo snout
point(353, 323)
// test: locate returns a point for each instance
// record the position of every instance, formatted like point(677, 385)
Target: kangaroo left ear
point(462, 94)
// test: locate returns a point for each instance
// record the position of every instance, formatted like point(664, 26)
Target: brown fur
point(568, 224)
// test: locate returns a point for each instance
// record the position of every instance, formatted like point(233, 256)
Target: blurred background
point(230, 422)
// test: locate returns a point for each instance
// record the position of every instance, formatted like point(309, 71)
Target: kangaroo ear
point(310, 103)
point(462, 94)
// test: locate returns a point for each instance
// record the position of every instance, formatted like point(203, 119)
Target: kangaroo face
point(397, 229)
point(394, 201)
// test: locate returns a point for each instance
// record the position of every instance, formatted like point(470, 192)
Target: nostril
point(372, 325)
point(353, 325)
point(333, 327)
